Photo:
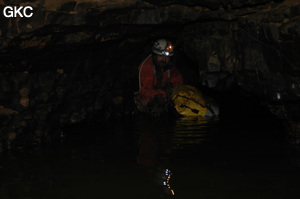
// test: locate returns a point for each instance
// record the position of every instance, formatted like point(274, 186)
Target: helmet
point(163, 47)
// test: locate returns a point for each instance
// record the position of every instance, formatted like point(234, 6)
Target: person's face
point(162, 60)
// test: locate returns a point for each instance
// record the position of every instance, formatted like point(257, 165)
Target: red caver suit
point(148, 82)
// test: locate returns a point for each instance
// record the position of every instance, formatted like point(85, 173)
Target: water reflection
point(193, 130)
point(163, 137)
point(150, 158)
point(155, 146)
point(155, 142)
point(166, 182)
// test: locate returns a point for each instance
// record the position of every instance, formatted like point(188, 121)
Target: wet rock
point(11, 123)
point(67, 7)
point(24, 101)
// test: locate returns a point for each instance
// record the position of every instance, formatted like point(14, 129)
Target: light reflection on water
point(154, 158)
point(162, 139)
point(192, 131)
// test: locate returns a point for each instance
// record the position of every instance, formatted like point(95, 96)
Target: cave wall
point(76, 61)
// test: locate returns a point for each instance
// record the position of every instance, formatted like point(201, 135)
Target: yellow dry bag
point(189, 101)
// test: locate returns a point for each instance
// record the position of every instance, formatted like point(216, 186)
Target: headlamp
point(166, 53)
point(169, 47)
point(168, 50)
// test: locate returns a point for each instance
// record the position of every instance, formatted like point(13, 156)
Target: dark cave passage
point(69, 126)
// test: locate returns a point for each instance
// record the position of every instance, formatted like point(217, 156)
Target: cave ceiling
point(252, 43)
point(84, 21)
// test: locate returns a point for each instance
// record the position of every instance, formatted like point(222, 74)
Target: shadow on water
point(235, 156)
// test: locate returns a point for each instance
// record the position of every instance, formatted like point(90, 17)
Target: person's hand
point(158, 109)
point(160, 98)
point(158, 105)
point(168, 86)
